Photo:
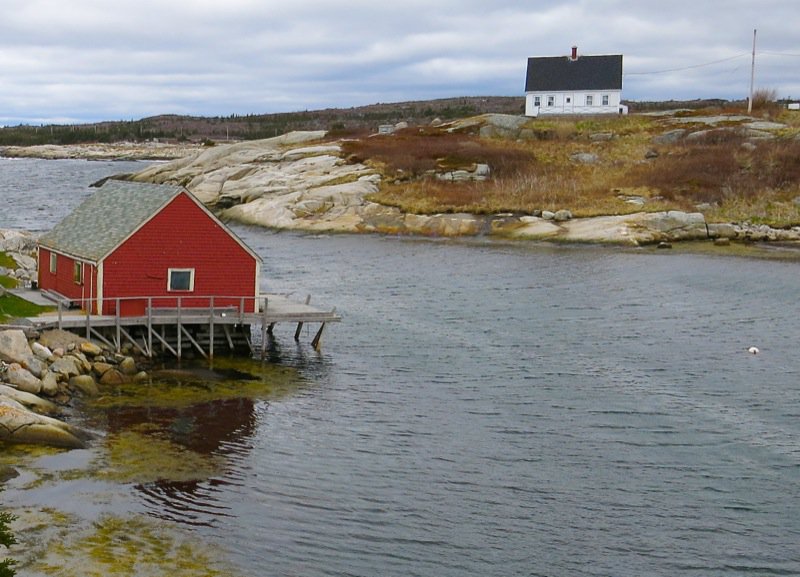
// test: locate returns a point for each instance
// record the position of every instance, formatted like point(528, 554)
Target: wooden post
point(180, 326)
point(752, 75)
point(89, 322)
point(318, 338)
point(150, 325)
point(264, 329)
point(300, 324)
point(230, 340)
point(211, 331)
point(116, 323)
point(316, 343)
point(59, 315)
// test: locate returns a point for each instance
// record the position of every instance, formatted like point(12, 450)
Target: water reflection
point(180, 439)
point(202, 427)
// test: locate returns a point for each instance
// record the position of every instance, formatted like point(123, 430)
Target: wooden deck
point(178, 328)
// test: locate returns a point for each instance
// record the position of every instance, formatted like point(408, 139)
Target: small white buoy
point(753, 350)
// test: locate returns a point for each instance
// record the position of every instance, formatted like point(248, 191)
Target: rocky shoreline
point(41, 373)
point(40, 376)
point(295, 182)
point(301, 181)
point(151, 150)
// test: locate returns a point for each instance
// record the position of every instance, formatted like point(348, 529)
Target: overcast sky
point(87, 60)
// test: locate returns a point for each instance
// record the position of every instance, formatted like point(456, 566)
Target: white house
point(574, 84)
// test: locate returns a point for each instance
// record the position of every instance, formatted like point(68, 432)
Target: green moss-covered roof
point(102, 221)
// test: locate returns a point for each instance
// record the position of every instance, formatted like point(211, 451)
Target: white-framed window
point(589, 100)
point(77, 272)
point(605, 99)
point(551, 101)
point(537, 101)
point(180, 280)
point(53, 262)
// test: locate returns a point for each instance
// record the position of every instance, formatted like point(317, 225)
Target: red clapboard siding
point(63, 280)
point(181, 235)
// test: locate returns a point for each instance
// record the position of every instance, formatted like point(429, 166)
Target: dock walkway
point(177, 328)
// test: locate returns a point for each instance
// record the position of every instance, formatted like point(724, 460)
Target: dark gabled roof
point(560, 73)
point(109, 216)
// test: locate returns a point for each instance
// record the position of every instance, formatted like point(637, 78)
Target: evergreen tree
point(6, 540)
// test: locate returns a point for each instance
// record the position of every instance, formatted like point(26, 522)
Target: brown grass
point(730, 180)
point(413, 152)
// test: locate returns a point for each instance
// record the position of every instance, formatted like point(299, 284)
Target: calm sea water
point(491, 409)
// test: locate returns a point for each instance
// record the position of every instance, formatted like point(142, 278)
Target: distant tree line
point(256, 126)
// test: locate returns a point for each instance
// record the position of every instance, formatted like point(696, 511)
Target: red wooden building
point(131, 246)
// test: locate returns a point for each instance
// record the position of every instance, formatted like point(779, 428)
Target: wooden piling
point(175, 328)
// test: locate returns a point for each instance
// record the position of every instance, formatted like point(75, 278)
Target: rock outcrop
point(64, 364)
point(299, 181)
point(293, 181)
point(20, 425)
point(151, 150)
point(20, 246)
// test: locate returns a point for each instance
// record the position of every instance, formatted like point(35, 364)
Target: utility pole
point(752, 74)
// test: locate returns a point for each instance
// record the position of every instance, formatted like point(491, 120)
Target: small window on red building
point(77, 272)
point(53, 262)
point(181, 279)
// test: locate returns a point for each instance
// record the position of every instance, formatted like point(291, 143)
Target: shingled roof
point(105, 219)
point(562, 73)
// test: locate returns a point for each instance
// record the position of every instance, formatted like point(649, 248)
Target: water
point(494, 409)
point(35, 195)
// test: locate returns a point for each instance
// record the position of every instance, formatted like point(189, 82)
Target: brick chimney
point(574, 53)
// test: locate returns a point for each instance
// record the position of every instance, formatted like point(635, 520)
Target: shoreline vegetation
point(645, 178)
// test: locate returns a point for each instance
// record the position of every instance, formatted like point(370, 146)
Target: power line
point(688, 67)
point(779, 54)
point(704, 64)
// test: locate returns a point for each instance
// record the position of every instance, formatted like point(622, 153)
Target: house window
point(589, 100)
point(569, 99)
point(605, 99)
point(551, 101)
point(53, 262)
point(537, 101)
point(181, 279)
point(77, 272)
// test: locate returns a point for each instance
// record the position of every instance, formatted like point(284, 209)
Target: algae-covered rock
point(112, 377)
point(19, 425)
point(28, 400)
point(67, 367)
point(100, 368)
point(128, 366)
point(91, 349)
point(85, 384)
point(49, 384)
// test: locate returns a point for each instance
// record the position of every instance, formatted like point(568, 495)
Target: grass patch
point(12, 306)
point(6, 261)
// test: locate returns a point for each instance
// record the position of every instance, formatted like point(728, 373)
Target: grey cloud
point(90, 60)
